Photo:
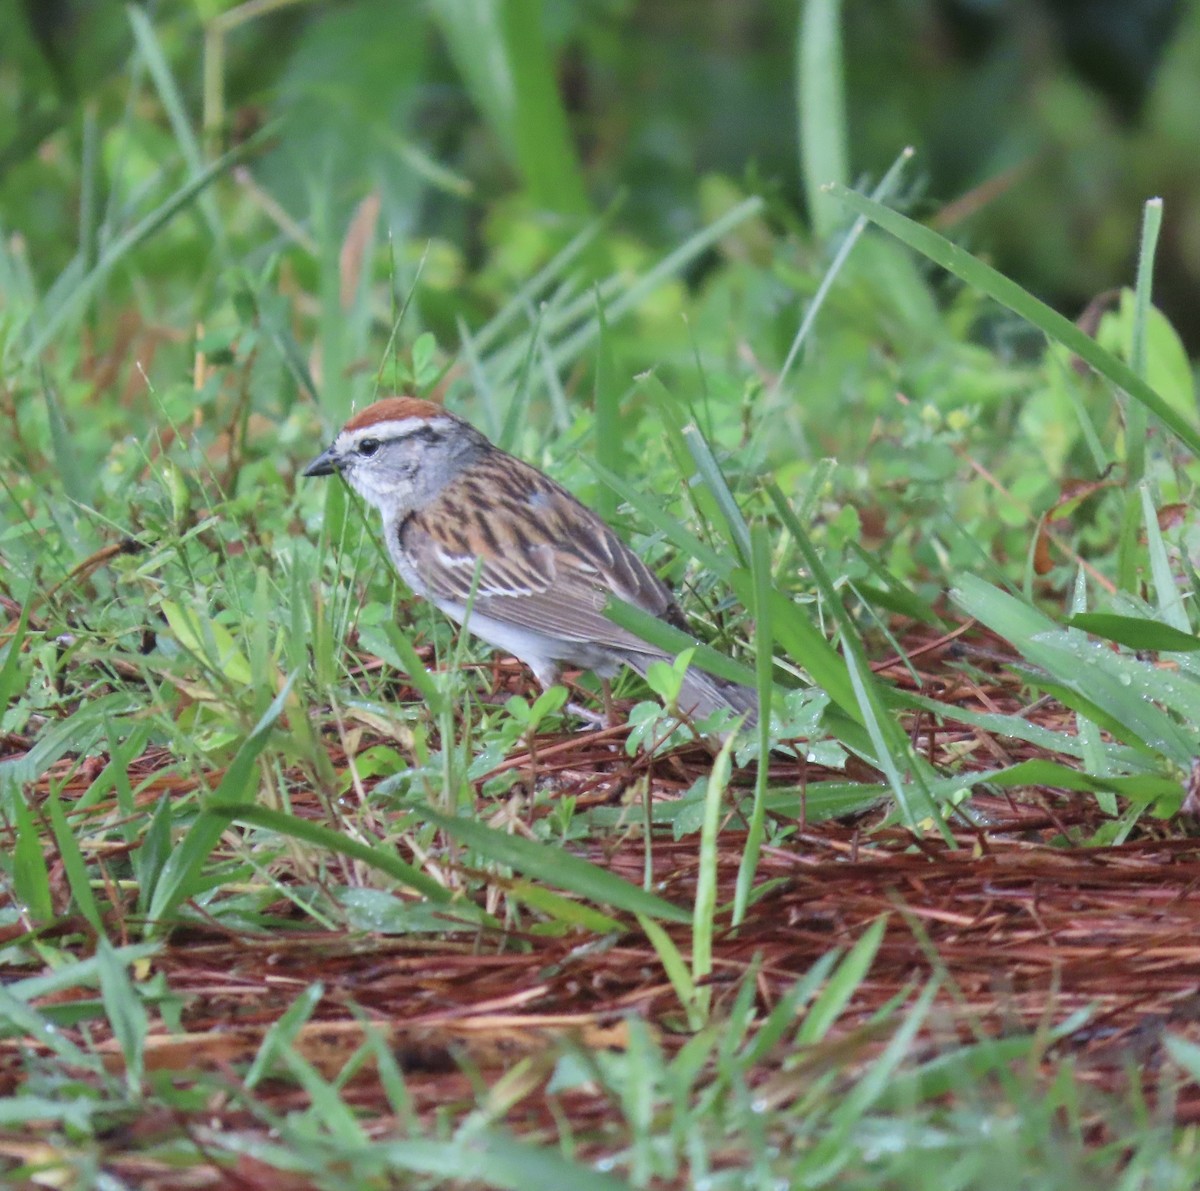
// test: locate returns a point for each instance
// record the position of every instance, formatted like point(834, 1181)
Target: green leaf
point(208, 640)
point(73, 863)
point(843, 984)
point(551, 864)
point(608, 435)
point(175, 107)
point(563, 909)
point(30, 876)
point(764, 646)
point(675, 641)
point(1116, 690)
point(1142, 787)
point(496, 1160)
point(705, 908)
point(673, 963)
point(125, 1011)
point(386, 861)
point(282, 1033)
point(1135, 633)
point(13, 675)
point(737, 532)
point(75, 477)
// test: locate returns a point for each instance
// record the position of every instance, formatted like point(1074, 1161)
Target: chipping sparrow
point(450, 498)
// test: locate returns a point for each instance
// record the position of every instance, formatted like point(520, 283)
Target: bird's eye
point(368, 447)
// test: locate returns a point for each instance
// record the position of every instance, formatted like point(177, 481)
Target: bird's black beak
point(325, 464)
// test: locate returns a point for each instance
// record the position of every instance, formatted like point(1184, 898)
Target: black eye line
point(369, 446)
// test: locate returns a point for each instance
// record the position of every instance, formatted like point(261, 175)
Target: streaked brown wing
point(549, 563)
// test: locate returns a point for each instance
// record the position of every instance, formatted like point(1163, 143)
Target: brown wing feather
point(550, 563)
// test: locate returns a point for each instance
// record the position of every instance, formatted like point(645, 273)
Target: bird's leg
point(549, 676)
point(592, 719)
point(610, 711)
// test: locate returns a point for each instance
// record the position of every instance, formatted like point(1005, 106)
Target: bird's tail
point(701, 693)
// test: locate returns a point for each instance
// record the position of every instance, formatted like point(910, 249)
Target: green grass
point(405, 926)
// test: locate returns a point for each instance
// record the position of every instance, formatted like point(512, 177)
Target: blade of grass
point(1166, 590)
point(895, 595)
point(887, 184)
point(282, 1033)
point(177, 115)
point(705, 906)
point(783, 1016)
point(1014, 726)
point(654, 514)
point(675, 641)
point(857, 692)
point(764, 644)
point(1121, 688)
point(515, 417)
point(502, 54)
point(821, 111)
point(554, 269)
point(1008, 293)
point(496, 1160)
point(82, 973)
point(126, 1013)
point(30, 875)
point(182, 868)
point(674, 966)
point(607, 434)
point(221, 813)
point(73, 863)
point(737, 533)
point(76, 478)
point(1135, 415)
point(13, 678)
point(552, 865)
point(888, 738)
point(842, 986)
point(22, 1020)
point(851, 1108)
point(676, 415)
point(545, 152)
point(1135, 633)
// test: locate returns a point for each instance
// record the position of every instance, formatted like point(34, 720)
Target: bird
point(462, 516)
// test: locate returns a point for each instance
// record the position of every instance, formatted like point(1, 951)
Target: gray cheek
point(390, 489)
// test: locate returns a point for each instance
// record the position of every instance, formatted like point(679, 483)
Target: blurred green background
point(1040, 125)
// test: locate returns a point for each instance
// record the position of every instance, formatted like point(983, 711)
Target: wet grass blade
point(1008, 293)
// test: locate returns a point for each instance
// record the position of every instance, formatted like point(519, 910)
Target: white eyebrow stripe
point(392, 430)
point(388, 429)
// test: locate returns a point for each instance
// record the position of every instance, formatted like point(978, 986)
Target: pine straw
point(1022, 926)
